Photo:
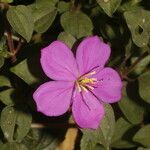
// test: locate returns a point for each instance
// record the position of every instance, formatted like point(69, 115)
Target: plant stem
point(135, 63)
point(41, 126)
point(10, 43)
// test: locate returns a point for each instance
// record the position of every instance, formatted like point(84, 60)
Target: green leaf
point(138, 23)
point(131, 109)
point(22, 70)
point(142, 148)
point(20, 18)
point(87, 144)
point(4, 48)
point(4, 81)
point(1, 61)
point(67, 38)
point(6, 96)
point(13, 146)
point(15, 124)
point(44, 13)
point(45, 3)
point(104, 133)
point(8, 118)
point(143, 136)
point(39, 139)
point(42, 24)
point(76, 23)
point(63, 6)
point(109, 6)
point(23, 123)
point(130, 5)
point(119, 139)
point(121, 127)
point(6, 1)
point(144, 86)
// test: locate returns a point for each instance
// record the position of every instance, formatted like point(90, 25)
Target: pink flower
point(83, 83)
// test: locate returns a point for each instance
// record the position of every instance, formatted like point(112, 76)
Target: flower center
point(85, 83)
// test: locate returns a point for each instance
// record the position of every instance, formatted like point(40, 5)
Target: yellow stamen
point(86, 83)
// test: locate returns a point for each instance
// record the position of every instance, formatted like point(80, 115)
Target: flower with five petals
point(83, 83)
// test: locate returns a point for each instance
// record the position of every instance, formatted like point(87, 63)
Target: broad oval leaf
point(21, 20)
point(76, 23)
point(144, 86)
point(138, 23)
point(15, 124)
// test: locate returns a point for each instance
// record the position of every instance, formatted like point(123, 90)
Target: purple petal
point(87, 110)
point(92, 52)
point(109, 86)
point(53, 98)
point(58, 62)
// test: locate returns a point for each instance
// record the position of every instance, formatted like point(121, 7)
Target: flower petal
point(109, 85)
point(58, 62)
point(92, 52)
point(53, 98)
point(87, 110)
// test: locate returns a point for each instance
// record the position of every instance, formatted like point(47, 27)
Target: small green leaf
point(144, 86)
point(42, 24)
point(4, 81)
point(76, 23)
point(109, 6)
point(63, 6)
point(6, 1)
point(104, 133)
point(44, 13)
point(131, 109)
point(20, 18)
point(13, 146)
point(143, 136)
point(142, 148)
point(22, 70)
point(138, 23)
point(130, 5)
point(8, 119)
point(6, 96)
point(15, 124)
point(67, 38)
point(23, 123)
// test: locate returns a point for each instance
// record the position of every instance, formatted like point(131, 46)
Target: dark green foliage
point(25, 29)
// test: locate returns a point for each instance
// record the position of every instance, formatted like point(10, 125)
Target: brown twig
point(41, 126)
point(10, 42)
point(4, 5)
point(20, 43)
